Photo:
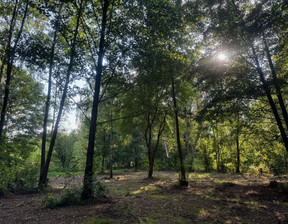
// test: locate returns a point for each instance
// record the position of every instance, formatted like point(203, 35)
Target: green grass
point(99, 221)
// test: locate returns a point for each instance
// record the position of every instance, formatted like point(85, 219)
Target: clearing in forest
point(210, 198)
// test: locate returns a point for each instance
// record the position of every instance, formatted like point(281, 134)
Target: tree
point(87, 184)
point(261, 22)
point(21, 131)
point(64, 149)
point(43, 180)
point(19, 10)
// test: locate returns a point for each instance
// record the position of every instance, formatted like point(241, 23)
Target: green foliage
point(5, 176)
point(99, 221)
point(100, 190)
point(69, 197)
point(64, 149)
point(223, 110)
point(19, 179)
point(26, 178)
point(66, 198)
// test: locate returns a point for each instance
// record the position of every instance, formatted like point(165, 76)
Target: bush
point(19, 179)
point(100, 190)
point(26, 178)
point(66, 198)
point(5, 175)
point(73, 196)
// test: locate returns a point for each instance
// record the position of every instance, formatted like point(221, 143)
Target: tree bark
point(151, 167)
point(183, 181)
point(10, 55)
point(148, 140)
point(43, 180)
point(87, 190)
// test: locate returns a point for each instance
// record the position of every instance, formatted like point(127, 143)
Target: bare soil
point(210, 198)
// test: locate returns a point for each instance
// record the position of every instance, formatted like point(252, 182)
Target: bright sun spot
point(222, 56)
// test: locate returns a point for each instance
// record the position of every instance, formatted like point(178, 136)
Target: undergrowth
point(72, 196)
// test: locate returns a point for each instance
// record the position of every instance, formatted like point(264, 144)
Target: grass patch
point(181, 220)
point(158, 196)
point(147, 220)
point(99, 221)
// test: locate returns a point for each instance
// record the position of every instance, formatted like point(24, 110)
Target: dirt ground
point(210, 198)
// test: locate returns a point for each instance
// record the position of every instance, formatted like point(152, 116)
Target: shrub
point(73, 196)
point(5, 175)
point(19, 179)
point(25, 179)
point(100, 190)
point(66, 198)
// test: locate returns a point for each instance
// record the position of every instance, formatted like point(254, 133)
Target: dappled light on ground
point(210, 198)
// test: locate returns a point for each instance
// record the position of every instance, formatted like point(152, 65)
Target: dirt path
point(210, 198)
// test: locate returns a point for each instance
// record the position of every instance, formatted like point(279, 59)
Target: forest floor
point(210, 198)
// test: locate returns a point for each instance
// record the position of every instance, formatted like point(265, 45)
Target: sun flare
point(222, 56)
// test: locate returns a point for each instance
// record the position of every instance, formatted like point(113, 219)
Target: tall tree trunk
point(148, 140)
point(10, 55)
point(103, 161)
point(43, 180)
point(183, 181)
point(275, 82)
point(238, 155)
point(87, 190)
point(238, 146)
point(47, 106)
point(271, 101)
point(136, 158)
point(111, 147)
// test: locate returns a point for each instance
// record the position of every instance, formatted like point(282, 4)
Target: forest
point(175, 106)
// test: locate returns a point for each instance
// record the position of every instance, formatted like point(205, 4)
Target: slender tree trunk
point(150, 154)
point(87, 191)
point(275, 82)
point(183, 181)
point(43, 180)
point(111, 148)
point(148, 140)
point(103, 161)
point(136, 158)
point(271, 101)
point(238, 155)
point(10, 62)
point(47, 106)
point(216, 146)
point(238, 146)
